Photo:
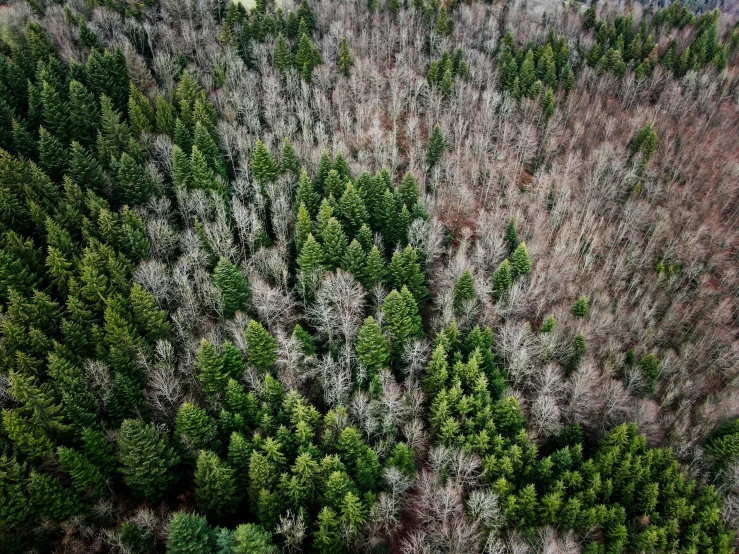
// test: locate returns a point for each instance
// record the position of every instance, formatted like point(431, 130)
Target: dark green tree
point(148, 463)
point(261, 347)
point(233, 286)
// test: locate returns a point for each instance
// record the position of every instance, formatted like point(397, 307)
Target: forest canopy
point(419, 276)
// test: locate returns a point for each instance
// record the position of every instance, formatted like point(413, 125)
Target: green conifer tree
point(436, 147)
point(194, 429)
point(261, 347)
point(520, 262)
point(581, 308)
point(334, 243)
point(354, 260)
point(263, 166)
point(211, 371)
point(502, 279)
point(464, 290)
point(216, 486)
point(190, 534)
point(372, 349)
point(283, 56)
point(52, 155)
point(345, 59)
point(233, 286)
point(311, 255)
point(147, 462)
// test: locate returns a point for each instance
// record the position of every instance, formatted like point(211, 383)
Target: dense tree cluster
point(327, 277)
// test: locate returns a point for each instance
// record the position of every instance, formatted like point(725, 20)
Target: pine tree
point(262, 348)
point(56, 113)
point(263, 167)
point(333, 185)
point(233, 286)
point(464, 290)
point(345, 59)
point(211, 371)
point(502, 279)
point(233, 361)
point(520, 262)
point(436, 147)
point(134, 182)
point(140, 112)
point(99, 450)
point(216, 486)
point(409, 190)
point(194, 429)
point(354, 260)
point(52, 155)
point(581, 308)
point(365, 238)
point(372, 349)
point(283, 56)
point(190, 534)
point(201, 175)
point(334, 243)
point(353, 210)
point(307, 195)
point(84, 115)
point(307, 56)
point(311, 255)
point(248, 538)
point(436, 373)
point(148, 462)
point(326, 539)
point(289, 159)
point(374, 272)
point(84, 474)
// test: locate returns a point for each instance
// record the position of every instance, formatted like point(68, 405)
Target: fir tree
point(289, 159)
point(283, 56)
point(307, 56)
point(52, 155)
point(502, 279)
point(56, 113)
point(374, 272)
point(194, 429)
point(216, 486)
point(354, 260)
point(520, 262)
point(86, 170)
point(211, 371)
point(326, 539)
point(307, 195)
point(334, 243)
point(311, 255)
point(464, 290)
point(581, 308)
point(84, 115)
point(263, 167)
point(353, 210)
point(372, 349)
point(436, 147)
point(262, 348)
point(364, 237)
point(437, 372)
point(345, 59)
point(190, 534)
point(409, 190)
point(148, 462)
point(233, 286)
